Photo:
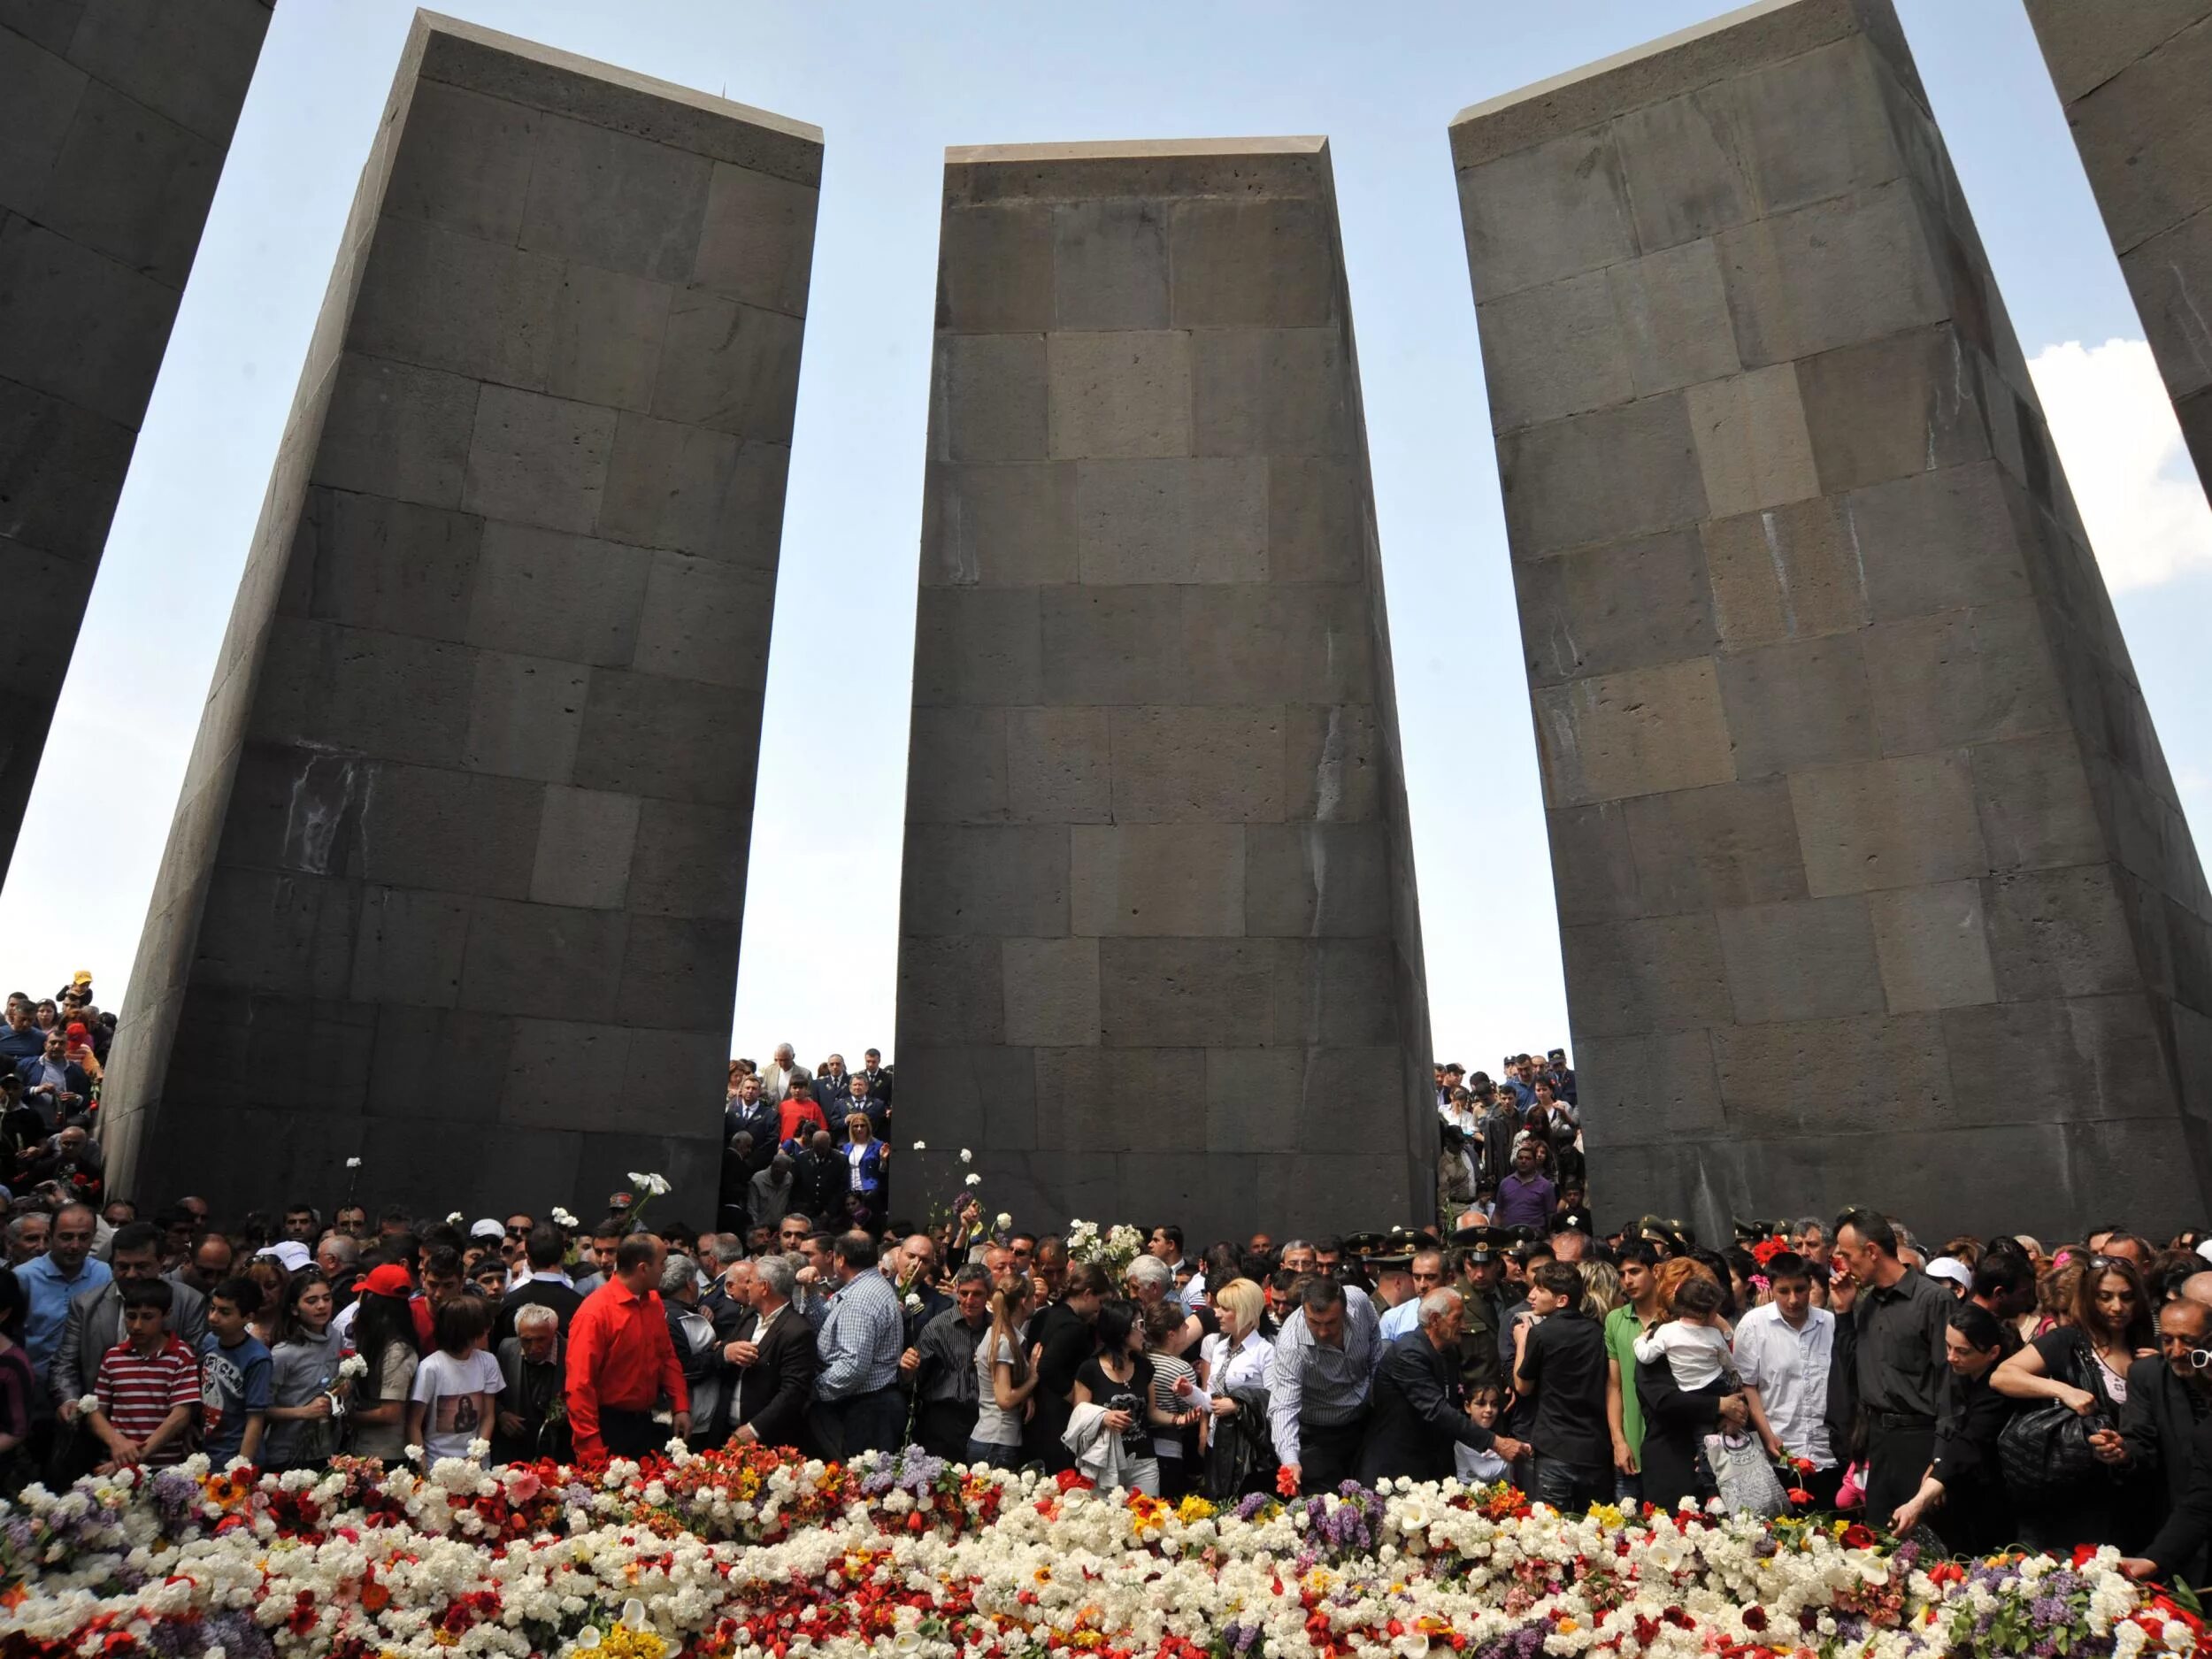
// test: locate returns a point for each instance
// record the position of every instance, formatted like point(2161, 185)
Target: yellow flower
point(1607, 1515)
point(1194, 1509)
point(622, 1642)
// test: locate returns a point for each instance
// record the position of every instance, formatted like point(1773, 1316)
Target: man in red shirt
point(621, 1362)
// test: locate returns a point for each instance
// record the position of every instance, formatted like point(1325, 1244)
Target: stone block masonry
point(1159, 952)
point(115, 119)
point(1873, 885)
point(2133, 80)
point(467, 817)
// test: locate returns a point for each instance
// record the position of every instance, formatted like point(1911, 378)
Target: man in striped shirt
point(149, 1387)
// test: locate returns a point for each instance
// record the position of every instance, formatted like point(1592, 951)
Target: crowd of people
point(1970, 1394)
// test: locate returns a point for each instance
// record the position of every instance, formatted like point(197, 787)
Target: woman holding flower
point(305, 1388)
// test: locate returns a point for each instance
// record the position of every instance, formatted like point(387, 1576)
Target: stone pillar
point(115, 116)
point(2136, 84)
point(1873, 885)
point(1159, 955)
point(455, 878)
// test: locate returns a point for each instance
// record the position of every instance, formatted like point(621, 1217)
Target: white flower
point(453, 1220)
point(561, 1217)
point(633, 1613)
point(648, 1182)
point(966, 1156)
point(1005, 1220)
point(588, 1637)
point(975, 1181)
point(88, 1402)
point(353, 1164)
point(918, 1145)
point(352, 1365)
point(914, 1301)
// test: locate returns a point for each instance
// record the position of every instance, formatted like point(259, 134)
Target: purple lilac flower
point(1251, 1504)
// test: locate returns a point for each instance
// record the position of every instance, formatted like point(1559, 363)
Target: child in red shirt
point(148, 1388)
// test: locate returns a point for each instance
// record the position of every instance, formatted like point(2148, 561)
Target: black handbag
point(2045, 1450)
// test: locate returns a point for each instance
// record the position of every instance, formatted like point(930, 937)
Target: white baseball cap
point(1951, 1268)
point(291, 1255)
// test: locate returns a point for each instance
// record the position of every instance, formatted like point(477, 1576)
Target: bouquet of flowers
point(1113, 1250)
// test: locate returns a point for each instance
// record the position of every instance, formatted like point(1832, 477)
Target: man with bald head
point(2198, 1288)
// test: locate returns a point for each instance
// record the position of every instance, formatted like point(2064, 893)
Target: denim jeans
point(996, 1456)
point(1569, 1487)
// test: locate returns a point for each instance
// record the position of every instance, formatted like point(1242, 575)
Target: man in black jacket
point(774, 1362)
point(819, 1182)
point(1420, 1407)
point(2164, 1408)
point(546, 1287)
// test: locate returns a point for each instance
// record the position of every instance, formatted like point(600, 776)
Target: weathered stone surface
point(505, 621)
point(2132, 79)
point(114, 123)
point(1863, 845)
point(1154, 776)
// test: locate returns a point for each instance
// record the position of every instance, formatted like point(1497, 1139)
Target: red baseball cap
point(390, 1280)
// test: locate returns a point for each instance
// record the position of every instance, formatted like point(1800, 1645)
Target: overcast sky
point(892, 85)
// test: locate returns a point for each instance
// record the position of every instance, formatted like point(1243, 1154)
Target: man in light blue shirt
point(858, 1405)
point(1319, 1382)
point(49, 1281)
point(1428, 1275)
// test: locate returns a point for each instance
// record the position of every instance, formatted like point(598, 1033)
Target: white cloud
point(2121, 445)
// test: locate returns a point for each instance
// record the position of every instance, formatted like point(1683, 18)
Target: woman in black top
point(1118, 1377)
point(1964, 1485)
point(2084, 1366)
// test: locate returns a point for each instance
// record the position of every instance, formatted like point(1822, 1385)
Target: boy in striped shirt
point(150, 1384)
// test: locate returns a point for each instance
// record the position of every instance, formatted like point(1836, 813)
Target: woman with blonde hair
point(1600, 1289)
point(1233, 1366)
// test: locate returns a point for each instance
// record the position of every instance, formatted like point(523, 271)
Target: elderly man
point(775, 1363)
point(913, 1270)
point(1319, 1383)
point(857, 1405)
point(1420, 1411)
point(26, 1237)
point(941, 1366)
point(532, 1420)
point(775, 1080)
point(1427, 1276)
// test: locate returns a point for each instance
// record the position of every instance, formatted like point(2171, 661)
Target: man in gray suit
point(95, 1321)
